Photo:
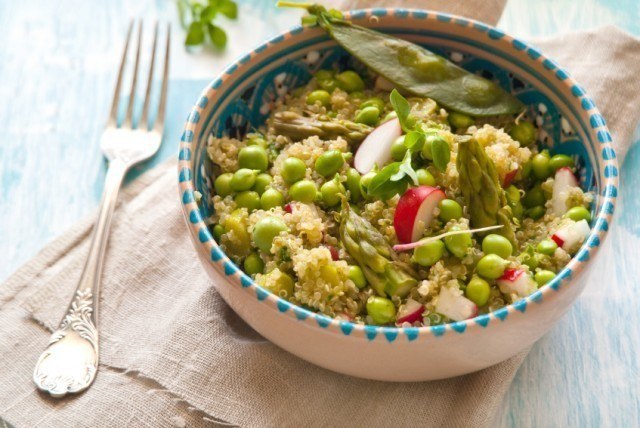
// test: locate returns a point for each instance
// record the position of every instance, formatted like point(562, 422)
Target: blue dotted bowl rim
point(600, 224)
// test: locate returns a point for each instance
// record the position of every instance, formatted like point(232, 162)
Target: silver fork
point(70, 362)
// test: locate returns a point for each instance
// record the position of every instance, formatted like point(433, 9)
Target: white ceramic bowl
point(241, 98)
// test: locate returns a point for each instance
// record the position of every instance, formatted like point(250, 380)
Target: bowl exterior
point(241, 97)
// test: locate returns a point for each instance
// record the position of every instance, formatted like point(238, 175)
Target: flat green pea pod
point(298, 127)
point(415, 70)
point(481, 188)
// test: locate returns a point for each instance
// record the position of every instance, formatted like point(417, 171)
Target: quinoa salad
point(362, 201)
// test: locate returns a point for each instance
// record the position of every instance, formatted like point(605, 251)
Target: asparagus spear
point(298, 127)
point(481, 188)
point(384, 272)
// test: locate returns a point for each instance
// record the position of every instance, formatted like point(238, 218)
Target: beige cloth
point(173, 353)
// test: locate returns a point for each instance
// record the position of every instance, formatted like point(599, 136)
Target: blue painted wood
point(56, 74)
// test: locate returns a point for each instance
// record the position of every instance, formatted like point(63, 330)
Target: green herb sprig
point(197, 17)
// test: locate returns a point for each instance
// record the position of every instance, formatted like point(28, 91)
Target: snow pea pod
point(415, 70)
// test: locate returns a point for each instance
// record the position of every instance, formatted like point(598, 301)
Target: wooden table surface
point(57, 67)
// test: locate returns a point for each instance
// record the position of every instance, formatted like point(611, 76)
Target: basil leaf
point(441, 153)
point(217, 35)
point(407, 169)
point(414, 140)
point(402, 109)
point(195, 35)
point(382, 186)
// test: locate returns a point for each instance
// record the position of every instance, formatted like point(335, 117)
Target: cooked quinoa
point(294, 243)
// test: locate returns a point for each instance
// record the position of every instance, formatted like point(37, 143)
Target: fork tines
point(145, 120)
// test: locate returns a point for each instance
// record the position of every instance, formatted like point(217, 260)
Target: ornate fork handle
point(70, 361)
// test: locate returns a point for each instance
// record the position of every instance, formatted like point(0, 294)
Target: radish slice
point(376, 148)
point(571, 236)
point(564, 181)
point(410, 312)
point(452, 304)
point(415, 211)
point(516, 281)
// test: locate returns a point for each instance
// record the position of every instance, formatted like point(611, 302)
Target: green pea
point(241, 244)
point(535, 213)
point(460, 120)
point(512, 193)
point(328, 85)
point(544, 276)
point(491, 266)
point(256, 140)
point(330, 274)
point(350, 81)
point(381, 310)
point(293, 169)
point(428, 143)
point(304, 191)
point(524, 133)
point(243, 179)
point(324, 74)
point(253, 157)
point(560, 161)
point(373, 102)
point(218, 231)
point(271, 198)
point(357, 276)
point(458, 244)
point(365, 180)
point(353, 185)
point(429, 253)
point(248, 199)
point(533, 197)
point(547, 246)
point(368, 115)
point(329, 163)
point(282, 286)
point(262, 182)
point(497, 244)
point(266, 230)
point(398, 149)
point(321, 96)
point(389, 116)
point(223, 184)
point(425, 178)
point(449, 210)
point(579, 213)
point(529, 258)
point(356, 96)
point(526, 169)
point(253, 264)
point(478, 291)
point(541, 167)
point(331, 191)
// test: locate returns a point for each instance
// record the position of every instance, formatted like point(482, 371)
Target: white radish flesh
point(410, 312)
point(563, 182)
point(571, 236)
point(452, 304)
point(516, 281)
point(376, 148)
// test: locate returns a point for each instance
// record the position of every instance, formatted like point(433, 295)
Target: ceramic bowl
point(569, 122)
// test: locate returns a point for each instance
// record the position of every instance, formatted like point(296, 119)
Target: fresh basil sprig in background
point(197, 17)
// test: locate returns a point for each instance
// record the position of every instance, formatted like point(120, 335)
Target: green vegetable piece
point(491, 266)
point(298, 127)
point(304, 191)
point(266, 230)
point(241, 244)
point(544, 276)
point(253, 264)
point(292, 170)
point(357, 276)
point(271, 198)
point(449, 210)
point(560, 161)
point(381, 310)
point(529, 257)
point(398, 149)
point(262, 182)
point(243, 179)
point(373, 102)
point(328, 85)
point(534, 197)
point(256, 140)
point(353, 185)
point(579, 213)
point(425, 178)
point(370, 249)
point(331, 191)
point(429, 253)
point(497, 244)
point(321, 96)
point(478, 181)
point(460, 121)
point(512, 193)
point(458, 245)
point(478, 291)
point(248, 199)
point(368, 115)
point(365, 182)
point(524, 133)
point(393, 179)
point(389, 116)
point(282, 286)
point(403, 109)
point(441, 153)
point(324, 74)
point(223, 184)
point(350, 81)
point(547, 246)
point(535, 213)
point(416, 70)
point(426, 148)
point(541, 166)
point(329, 163)
point(218, 231)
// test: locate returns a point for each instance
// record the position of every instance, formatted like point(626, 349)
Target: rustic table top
point(56, 75)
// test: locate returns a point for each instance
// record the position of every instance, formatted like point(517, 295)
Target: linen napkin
point(174, 354)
